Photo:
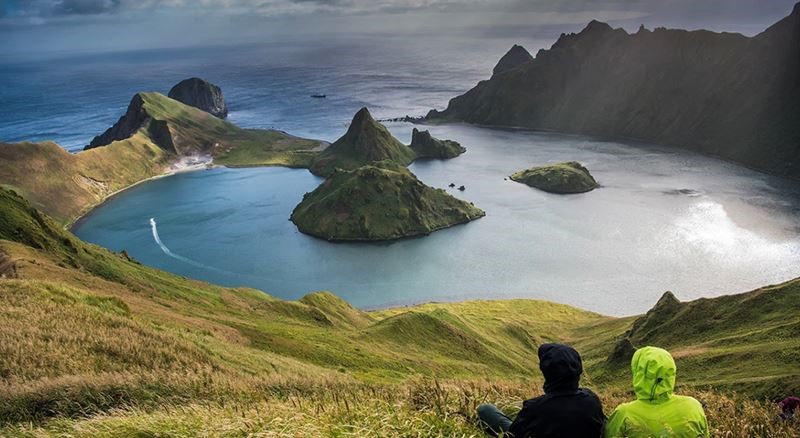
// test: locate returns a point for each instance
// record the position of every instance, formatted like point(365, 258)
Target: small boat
point(319, 96)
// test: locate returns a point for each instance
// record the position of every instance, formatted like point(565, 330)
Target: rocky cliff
point(721, 94)
point(427, 146)
point(200, 94)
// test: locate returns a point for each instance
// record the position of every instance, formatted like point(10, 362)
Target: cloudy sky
point(33, 27)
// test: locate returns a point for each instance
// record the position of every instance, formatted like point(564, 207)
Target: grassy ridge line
point(66, 185)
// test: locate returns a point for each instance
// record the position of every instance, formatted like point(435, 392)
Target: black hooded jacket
point(565, 410)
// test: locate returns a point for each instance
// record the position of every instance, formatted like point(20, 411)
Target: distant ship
point(319, 96)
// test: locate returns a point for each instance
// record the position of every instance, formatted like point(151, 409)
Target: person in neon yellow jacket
point(656, 412)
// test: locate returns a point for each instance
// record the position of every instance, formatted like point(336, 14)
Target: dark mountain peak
point(200, 94)
point(133, 119)
point(597, 27)
point(514, 58)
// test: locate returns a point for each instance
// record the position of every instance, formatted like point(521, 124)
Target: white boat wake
point(167, 251)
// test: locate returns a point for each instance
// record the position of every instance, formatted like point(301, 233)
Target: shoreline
point(170, 171)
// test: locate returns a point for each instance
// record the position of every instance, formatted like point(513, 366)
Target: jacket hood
point(561, 366)
point(653, 372)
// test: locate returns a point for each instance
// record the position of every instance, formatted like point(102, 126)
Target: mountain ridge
point(721, 94)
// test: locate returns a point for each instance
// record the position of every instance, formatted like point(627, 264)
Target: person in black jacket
point(565, 409)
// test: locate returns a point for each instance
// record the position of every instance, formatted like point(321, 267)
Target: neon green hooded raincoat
point(657, 412)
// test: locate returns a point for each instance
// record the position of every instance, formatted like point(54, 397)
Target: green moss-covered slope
point(562, 178)
point(427, 146)
point(380, 201)
point(154, 133)
point(365, 141)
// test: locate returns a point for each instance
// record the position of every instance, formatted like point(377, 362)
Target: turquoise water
point(663, 220)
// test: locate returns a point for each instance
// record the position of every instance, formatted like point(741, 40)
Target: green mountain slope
point(153, 134)
point(380, 201)
point(95, 344)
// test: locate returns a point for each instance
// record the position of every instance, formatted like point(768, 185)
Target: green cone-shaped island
point(365, 141)
point(561, 178)
point(379, 201)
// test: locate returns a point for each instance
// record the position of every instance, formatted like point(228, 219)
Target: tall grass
point(344, 408)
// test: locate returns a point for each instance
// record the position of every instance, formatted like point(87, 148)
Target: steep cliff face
point(722, 94)
point(134, 119)
point(200, 94)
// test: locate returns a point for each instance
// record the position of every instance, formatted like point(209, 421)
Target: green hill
point(95, 344)
point(562, 178)
point(379, 201)
point(365, 141)
point(153, 134)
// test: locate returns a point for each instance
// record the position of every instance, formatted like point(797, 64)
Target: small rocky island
point(200, 94)
point(367, 141)
point(378, 201)
point(427, 146)
point(561, 178)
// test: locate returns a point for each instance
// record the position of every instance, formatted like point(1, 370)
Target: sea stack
point(427, 146)
point(561, 178)
point(379, 201)
point(200, 94)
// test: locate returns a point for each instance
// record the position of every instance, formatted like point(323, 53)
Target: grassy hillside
point(67, 185)
point(380, 201)
point(95, 344)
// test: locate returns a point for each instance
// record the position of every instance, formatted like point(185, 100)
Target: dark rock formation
point(513, 59)
point(380, 201)
point(134, 119)
point(200, 94)
point(427, 146)
point(366, 141)
point(722, 94)
point(562, 178)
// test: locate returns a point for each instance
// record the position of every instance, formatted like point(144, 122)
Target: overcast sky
point(44, 27)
